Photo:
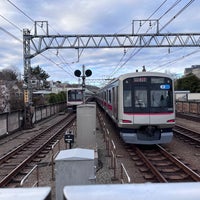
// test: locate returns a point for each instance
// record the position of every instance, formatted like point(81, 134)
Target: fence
point(188, 107)
point(13, 121)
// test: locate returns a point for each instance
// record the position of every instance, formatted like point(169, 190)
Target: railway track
point(158, 165)
point(155, 163)
point(188, 116)
point(188, 134)
point(17, 160)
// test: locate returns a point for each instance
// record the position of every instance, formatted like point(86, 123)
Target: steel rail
point(20, 147)
point(18, 168)
point(177, 128)
point(186, 169)
point(153, 169)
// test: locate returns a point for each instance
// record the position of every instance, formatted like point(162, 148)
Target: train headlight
point(171, 121)
point(126, 121)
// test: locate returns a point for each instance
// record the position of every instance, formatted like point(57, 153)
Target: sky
point(69, 17)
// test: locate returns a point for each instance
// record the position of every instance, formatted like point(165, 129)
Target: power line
point(19, 40)
point(13, 36)
point(136, 52)
point(169, 9)
point(56, 64)
point(118, 67)
point(176, 60)
point(175, 16)
point(20, 10)
point(11, 23)
point(32, 20)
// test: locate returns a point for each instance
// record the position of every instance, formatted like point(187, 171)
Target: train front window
point(160, 98)
point(140, 98)
point(147, 94)
point(75, 95)
point(161, 95)
point(79, 95)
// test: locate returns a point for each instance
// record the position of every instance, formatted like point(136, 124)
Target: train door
point(140, 104)
point(135, 98)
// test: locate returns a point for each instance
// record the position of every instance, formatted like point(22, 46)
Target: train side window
point(109, 96)
point(71, 96)
point(127, 98)
point(127, 95)
point(104, 96)
point(113, 95)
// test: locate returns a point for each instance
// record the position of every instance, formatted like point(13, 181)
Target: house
point(194, 69)
point(4, 97)
point(10, 95)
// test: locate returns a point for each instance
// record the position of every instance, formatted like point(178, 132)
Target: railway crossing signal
point(87, 73)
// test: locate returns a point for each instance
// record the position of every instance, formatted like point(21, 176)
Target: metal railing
point(124, 174)
point(27, 176)
point(112, 153)
point(36, 167)
point(53, 155)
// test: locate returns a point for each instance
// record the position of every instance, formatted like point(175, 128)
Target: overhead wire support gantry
point(40, 43)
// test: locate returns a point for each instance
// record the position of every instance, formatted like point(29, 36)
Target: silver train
point(142, 105)
point(74, 97)
point(77, 96)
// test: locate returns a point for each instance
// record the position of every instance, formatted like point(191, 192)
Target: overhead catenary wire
point(10, 34)
point(135, 52)
point(176, 60)
point(19, 40)
point(32, 20)
point(118, 67)
point(20, 10)
point(175, 16)
point(169, 9)
point(16, 26)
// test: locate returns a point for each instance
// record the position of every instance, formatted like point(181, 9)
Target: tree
point(52, 98)
point(8, 75)
point(40, 74)
point(10, 90)
point(57, 98)
point(189, 82)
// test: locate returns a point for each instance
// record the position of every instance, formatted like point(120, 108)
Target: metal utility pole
point(27, 88)
point(41, 41)
point(83, 82)
point(85, 74)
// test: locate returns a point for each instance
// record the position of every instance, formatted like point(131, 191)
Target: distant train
point(142, 105)
point(77, 96)
point(74, 97)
